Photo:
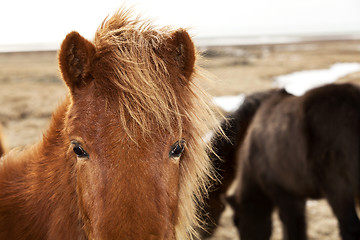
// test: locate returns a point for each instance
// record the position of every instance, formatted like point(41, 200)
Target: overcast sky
point(44, 21)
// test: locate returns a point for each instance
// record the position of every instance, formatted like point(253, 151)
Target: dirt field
point(30, 89)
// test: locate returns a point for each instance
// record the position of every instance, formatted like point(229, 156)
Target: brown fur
point(133, 94)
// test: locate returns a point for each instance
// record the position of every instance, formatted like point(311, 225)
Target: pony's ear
point(75, 58)
point(184, 51)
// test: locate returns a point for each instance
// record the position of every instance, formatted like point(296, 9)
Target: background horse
point(123, 157)
point(224, 157)
point(298, 148)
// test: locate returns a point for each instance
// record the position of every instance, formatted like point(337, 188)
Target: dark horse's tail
point(224, 155)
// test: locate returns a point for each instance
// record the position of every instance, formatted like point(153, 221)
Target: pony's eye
point(177, 149)
point(79, 151)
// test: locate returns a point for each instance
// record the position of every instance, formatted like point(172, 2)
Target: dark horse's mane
point(225, 151)
point(236, 124)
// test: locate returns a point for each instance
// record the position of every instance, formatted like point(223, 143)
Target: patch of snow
point(229, 103)
point(208, 136)
point(298, 83)
point(312, 203)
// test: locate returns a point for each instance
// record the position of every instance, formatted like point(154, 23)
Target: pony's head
point(134, 128)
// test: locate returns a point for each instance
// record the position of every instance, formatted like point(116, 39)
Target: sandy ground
point(30, 89)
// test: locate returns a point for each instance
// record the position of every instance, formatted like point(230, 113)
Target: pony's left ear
point(75, 59)
point(184, 51)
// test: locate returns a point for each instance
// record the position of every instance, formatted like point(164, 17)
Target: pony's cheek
point(86, 184)
point(173, 176)
point(89, 194)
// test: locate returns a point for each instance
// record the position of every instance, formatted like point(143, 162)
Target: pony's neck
point(38, 190)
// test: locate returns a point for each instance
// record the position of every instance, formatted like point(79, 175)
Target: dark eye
point(177, 149)
point(79, 151)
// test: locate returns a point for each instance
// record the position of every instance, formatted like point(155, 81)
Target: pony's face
point(127, 142)
point(125, 189)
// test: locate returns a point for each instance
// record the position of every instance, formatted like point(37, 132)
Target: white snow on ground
point(207, 138)
point(229, 103)
point(296, 83)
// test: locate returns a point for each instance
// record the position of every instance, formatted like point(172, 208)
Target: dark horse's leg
point(252, 210)
point(342, 203)
point(346, 214)
point(292, 215)
point(339, 185)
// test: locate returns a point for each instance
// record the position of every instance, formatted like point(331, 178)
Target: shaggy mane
point(131, 61)
point(127, 49)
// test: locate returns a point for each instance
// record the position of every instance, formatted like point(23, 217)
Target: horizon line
point(209, 41)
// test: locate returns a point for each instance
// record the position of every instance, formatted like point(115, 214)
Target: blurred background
point(41, 24)
point(246, 46)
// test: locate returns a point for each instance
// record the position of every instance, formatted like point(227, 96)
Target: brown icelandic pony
point(124, 156)
point(224, 157)
point(298, 148)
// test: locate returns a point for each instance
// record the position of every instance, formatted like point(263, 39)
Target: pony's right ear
point(184, 51)
point(75, 58)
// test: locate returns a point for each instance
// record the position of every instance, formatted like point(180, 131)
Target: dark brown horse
point(298, 148)
point(124, 156)
point(224, 156)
